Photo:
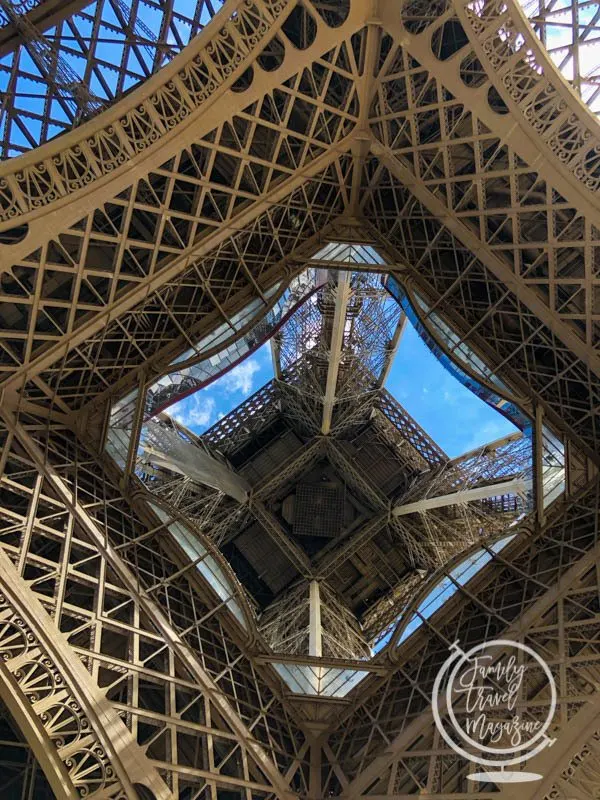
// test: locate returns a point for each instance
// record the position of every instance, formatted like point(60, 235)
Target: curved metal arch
point(251, 632)
point(503, 47)
point(530, 83)
point(59, 704)
point(38, 740)
point(393, 648)
point(549, 19)
point(138, 126)
point(94, 54)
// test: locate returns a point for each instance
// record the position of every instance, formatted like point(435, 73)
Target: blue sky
point(202, 409)
point(452, 415)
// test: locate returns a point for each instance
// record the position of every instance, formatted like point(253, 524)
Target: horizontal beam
point(516, 486)
point(44, 15)
point(326, 662)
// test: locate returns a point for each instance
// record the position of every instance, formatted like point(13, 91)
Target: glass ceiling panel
point(448, 586)
point(206, 564)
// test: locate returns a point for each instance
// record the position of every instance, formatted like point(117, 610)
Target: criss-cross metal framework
point(209, 157)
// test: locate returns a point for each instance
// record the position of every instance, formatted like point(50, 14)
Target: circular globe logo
point(482, 707)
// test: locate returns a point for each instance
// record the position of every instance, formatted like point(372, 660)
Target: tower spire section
point(342, 293)
point(338, 348)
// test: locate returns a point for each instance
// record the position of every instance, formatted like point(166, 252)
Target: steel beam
point(392, 350)
point(518, 486)
point(491, 447)
point(400, 746)
point(44, 15)
point(270, 524)
point(209, 687)
point(343, 293)
point(126, 757)
point(315, 633)
point(527, 295)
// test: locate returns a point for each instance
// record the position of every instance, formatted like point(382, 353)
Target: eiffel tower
point(261, 610)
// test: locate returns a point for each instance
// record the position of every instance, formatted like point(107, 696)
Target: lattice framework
point(449, 134)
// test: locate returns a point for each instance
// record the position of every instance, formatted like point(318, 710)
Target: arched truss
point(195, 713)
point(22, 776)
point(63, 62)
point(569, 31)
point(449, 141)
point(77, 737)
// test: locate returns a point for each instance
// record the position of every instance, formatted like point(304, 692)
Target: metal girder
point(392, 350)
point(343, 293)
point(289, 548)
point(145, 287)
point(43, 15)
point(563, 766)
point(514, 486)
point(518, 190)
point(315, 641)
point(536, 624)
point(93, 711)
point(334, 559)
point(208, 685)
point(497, 266)
point(490, 447)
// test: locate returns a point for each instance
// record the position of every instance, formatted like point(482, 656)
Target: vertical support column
point(538, 464)
point(392, 350)
point(314, 786)
point(342, 296)
point(275, 345)
point(315, 635)
point(136, 429)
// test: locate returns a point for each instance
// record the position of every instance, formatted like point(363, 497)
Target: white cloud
point(240, 379)
point(195, 412)
point(449, 397)
point(489, 432)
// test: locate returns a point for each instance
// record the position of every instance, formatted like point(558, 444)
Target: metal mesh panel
point(319, 511)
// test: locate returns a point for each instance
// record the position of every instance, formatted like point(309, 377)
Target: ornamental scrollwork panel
point(63, 719)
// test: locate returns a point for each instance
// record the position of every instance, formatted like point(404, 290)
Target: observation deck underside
point(261, 611)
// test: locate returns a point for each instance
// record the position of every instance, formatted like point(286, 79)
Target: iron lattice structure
point(204, 167)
